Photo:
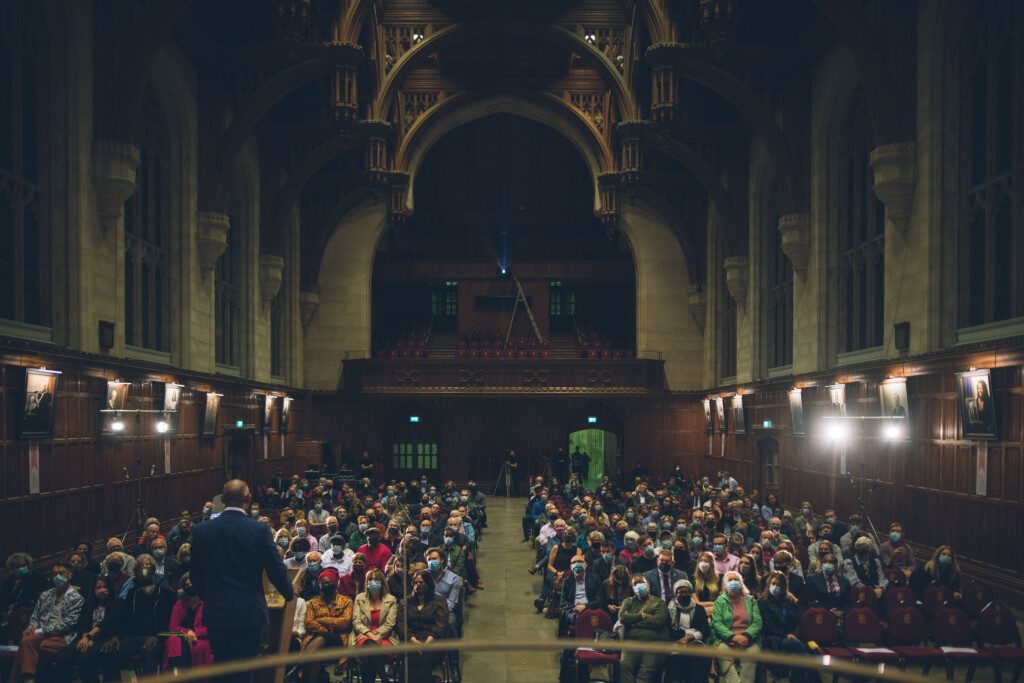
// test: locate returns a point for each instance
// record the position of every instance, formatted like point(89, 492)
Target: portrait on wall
point(37, 408)
point(739, 419)
point(210, 415)
point(977, 405)
point(720, 410)
point(837, 399)
point(709, 424)
point(893, 394)
point(268, 412)
point(172, 396)
point(117, 394)
point(286, 405)
point(796, 411)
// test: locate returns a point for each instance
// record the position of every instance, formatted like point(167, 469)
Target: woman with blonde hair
point(941, 570)
point(706, 582)
point(373, 621)
point(735, 627)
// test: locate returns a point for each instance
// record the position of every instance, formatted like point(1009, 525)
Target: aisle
point(505, 609)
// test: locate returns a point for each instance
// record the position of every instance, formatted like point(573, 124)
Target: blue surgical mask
point(734, 586)
point(448, 540)
point(630, 515)
point(373, 586)
point(363, 528)
point(666, 544)
point(283, 542)
point(828, 568)
point(424, 531)
point(318, 507)
point(22, 572)
point(854, 529)
point(434, 565)
point(718, 548)
point(649, 551)
point(608, 557)
point(313, 567)
point(578, 568)
point(945, 559)
point(598, 508)
point(698, 541)
point(641, 590)
point(774, 590)
point(60, 581)
point(895, 537)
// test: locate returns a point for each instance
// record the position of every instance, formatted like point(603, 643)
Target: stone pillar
point(309, 302)
point(796, 240)
point(212, 238)
point(698, 303)
point(894, 167)
point(114, 166)
point(737, 274)
point(271, 269)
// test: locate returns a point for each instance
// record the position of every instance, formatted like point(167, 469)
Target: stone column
point(271, 270)
point(796, 240)
point(114, 166)
point(894, 167)
point(737, 275)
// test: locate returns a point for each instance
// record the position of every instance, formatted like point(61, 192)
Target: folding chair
point(863, 628)
point(953, 637)
point(907, 630)
point(587, 623)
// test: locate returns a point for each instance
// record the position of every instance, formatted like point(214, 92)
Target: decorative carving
point(271, 269)
point(609, 40)
point(212, 238)
point(698, 302)
point(398, 186)
point(664, 93)
point(737, 273)
point(632, 158)
point(535, 378)
point(609, 184)
point(378, 134)
point(309, 302)
point(796, 239)
point(114, 165)
point(599, 378)
point(895, 173)
point(471, 378)
point(594, 106)
point(407, 378)
point(400, 39)
point(413, 105)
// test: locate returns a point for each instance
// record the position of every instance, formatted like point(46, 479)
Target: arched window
point(729, 324)
point(228, 290)
point(778, 282)
point(991, 251)
point(860, 235)
point(147, 266)
point(25, 262)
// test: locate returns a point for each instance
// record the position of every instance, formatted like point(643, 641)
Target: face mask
point(60, 581)
point(255, 512)
point(649, 551)
point(424, 531)
point(607, 557)
point(318, 507)
point(302, 531)
point(75, 566)
point(831, 520)
point(766, 542)
point(630, 516)
point(705, 567)
point(559, 533)
point(448, 540)
point(207, 512)
point(774, 590)
point(895, 537)
point(22, 572)
point(338, 550)
point(862, 551)
point(641, 590)
point(190, 591)
point(373, 586)
point(159, 554)
point(631, 545)
point(583, 517)
point(283, 542)
point(945, 559)
point(598, 508)
point(718, 548)
point(666, 544)
point(101, 593)
point(328, 589)
point(363, 528)
point(665, 567)
point(733, 586)
point(828, 569)
point(578, 568)
point(698, 541)
point(434, 565)
point(854, 529)
point(313, 567)
point(684, 600)
point(681, 528)
point(621, 532)
point(806, 511)
point(776, 527)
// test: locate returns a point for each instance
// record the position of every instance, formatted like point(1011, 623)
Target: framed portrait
point(286, 405)
point(117, 394)
point(172, 397)
point(977, 405)
point(720, 410)
point(739, 419)
point(893, 397)
point(268, 412)
point(796, 411)
point(210, 414)
point(709, 423)
point(37, 408)
point(837, 399)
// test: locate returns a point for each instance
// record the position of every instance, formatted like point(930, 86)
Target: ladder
point(521, 296)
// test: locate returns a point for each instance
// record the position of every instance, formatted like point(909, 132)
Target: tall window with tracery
point(147, 267)
point(991, 165)
point(228, 291)
point(860, 235)
point(729, 324)
point(778, 282)
point(25, 244)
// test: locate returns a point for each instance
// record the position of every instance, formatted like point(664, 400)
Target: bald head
point(235, 494)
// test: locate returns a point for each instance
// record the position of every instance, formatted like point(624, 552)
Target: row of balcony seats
point(410, 342)
point(510, 352)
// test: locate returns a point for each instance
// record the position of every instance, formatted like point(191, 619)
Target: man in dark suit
point(229, 556)
point(829, 588)
point(665, 575)
point(606, 561)
point(581, 590)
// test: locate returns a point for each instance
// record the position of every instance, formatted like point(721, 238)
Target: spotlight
point(117, 425)
point(416, 37)
point(590, 38)
point(162, 427)
point(892, 431)
point(836, 430)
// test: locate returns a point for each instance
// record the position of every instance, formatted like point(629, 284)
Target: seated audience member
point(85, 547)
point(51, 627)
point(864, 569)
point(151, 532)
point(147, 612)
point(455, 556)
point(21, 589)
point(193, 646)
point(828, 587)
point(324, 542)
point(422, 618)
point(377, 554)
point(305, 582)
point(317, 517)
point(617, 588)
point(724, 561)
point(771, 503)
point(736, 628)
point(631, 548)
point(180, 534)
point(707, 583)
point(805, 524)
point(664, 576)
point(354, 582)
point(166, 567)
point(581, 590)
point(113, 569)
point(896, 552)
point(824, 538)
point(337, 555)
point(647, 558)
point(328, 620)
point(81, 578)
point(824, 548)
point(559, 558)
point(780, 618)
point(147, 563)
point(100, 621)
point(748, 571)
point(373, 622)
point(783, 562)
point(297, 551)
point(645, 618)
point(756, 553)
point(795, 566)
point(941, 570)
point(688, 626)
point(184, 559)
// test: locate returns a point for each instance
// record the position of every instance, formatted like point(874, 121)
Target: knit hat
point(682, 582)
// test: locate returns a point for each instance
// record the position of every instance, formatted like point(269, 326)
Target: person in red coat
point(354, 582)
point(193, 646)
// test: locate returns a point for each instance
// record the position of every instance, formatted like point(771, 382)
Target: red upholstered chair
point(510, 351)
point(588, 621)
point(907, 630)
point(819, 625)
point(461, 353)
point(997, 628)
point(862, 596)
point(533, 353)
point(976, 597)
point(896, 577)
point(521, 353)
point(953, 636)
point(474, 353)
point(894, 596)
point(863, 628)
point(545, 353)
point(934, 598)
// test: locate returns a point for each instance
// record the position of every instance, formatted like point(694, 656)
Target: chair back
point(907, 626)
point(894, 596)
point(997, 626)
point(863, 596)
point(976, 597)
point(861, 626)
point(590, 620)
point(952, 627)
point(895, 576)
point(934, 597)
point(819, 625)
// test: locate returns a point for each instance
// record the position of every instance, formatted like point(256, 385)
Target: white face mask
point(704, 566)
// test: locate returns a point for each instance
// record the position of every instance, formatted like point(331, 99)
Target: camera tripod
point(504, 476)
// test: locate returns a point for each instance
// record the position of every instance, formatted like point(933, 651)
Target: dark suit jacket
point(815, 590)
point(229, 556)
point(654, 580)
point(603, 569)
point(595, 592)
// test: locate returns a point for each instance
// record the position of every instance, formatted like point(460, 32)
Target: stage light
point(836, 430)
point(117, 425)
point(891, 431)
point(162, 427)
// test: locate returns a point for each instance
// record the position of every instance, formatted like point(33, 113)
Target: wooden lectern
point(279, 630)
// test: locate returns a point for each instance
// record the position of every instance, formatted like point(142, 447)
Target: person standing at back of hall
point(229, 556)
point(512, 463)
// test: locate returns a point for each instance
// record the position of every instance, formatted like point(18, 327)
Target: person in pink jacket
point(193, 646)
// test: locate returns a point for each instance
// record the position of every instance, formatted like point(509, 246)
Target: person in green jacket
point(644, 617)
point(736, 627)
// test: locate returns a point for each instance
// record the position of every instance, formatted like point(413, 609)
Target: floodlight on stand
point(891, 431)
point(117, 425)
point(836, 430)
point(162, 426)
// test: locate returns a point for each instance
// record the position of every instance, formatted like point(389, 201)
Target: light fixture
point(117, 425)
point(836, 430)
point(162, 426)
point(416, 37)
point(590, 38)
point(592, 420)
point(414, 418)
point(891, 431)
